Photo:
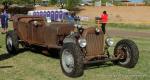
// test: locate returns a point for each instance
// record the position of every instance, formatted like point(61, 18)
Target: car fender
point(70, 39)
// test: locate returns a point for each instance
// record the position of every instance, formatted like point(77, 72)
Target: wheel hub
point(125, 55)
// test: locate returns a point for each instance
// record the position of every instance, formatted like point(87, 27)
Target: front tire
point(12, 43)
point(71, 60)
point(129, 53)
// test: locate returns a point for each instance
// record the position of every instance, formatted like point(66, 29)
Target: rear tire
point(12, 43)
point(130, 53)
point(71, 60)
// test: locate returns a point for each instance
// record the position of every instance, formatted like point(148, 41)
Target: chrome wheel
point(67, 61)
point(9, 43)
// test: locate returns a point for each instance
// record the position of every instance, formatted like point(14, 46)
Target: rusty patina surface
point(47, 35)
point(95, 43)
point(51, 35)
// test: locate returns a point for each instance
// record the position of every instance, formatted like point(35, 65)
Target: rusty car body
point(78, 46)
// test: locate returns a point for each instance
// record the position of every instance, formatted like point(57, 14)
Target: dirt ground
point(117, 14)
point(120, 14)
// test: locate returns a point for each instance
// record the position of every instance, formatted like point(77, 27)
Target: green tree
point(104, 1)
point(71, 4)
point(147, 2)
point(53, 2)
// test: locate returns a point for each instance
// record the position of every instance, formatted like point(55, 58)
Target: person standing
point(4, 21)
point(104, 19)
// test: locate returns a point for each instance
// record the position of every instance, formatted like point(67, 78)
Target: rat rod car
point(78, 46)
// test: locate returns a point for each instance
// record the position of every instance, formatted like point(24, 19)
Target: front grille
point(95, 44)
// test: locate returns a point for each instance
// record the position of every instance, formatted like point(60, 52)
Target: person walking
point(104, 19)
point(4, 21)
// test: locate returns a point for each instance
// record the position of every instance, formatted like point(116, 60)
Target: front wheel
point(12, 43)
point(71, 60)
point(128, 52)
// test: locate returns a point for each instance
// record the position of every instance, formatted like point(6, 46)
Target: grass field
point(35, 66)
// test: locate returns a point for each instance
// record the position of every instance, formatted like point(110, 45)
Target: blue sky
point(136, 0)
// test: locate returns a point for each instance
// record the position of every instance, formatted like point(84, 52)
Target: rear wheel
point(12, 43)
point(128, 52)
point(71, 60)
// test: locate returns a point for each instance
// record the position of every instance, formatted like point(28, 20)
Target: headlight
point(97, 30)
point(109, 41)
point(78, 26)
point(82, 42)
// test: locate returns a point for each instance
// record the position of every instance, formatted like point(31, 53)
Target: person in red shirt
point(104, 19)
